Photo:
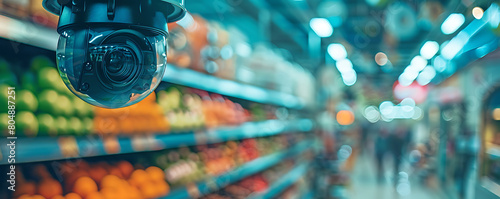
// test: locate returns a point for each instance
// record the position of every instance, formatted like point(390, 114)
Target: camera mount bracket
point(145, 14)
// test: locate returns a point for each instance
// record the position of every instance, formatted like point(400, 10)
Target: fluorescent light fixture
point(349, 78)
point(386, 107)
point(381, 59)
point(429, 49)
point(454, 46)
point(418, 62)
point(410, 73)
point(439, 64)
point(493, 14)
point(337, 51)
point(477, 12)
point(321, 27)
point(404, 81)
point(452, 23)
point(407, 104)
point(344, 65)
point(426, 76)
point(372, 114)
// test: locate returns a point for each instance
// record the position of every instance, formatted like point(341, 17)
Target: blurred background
point(270, 99)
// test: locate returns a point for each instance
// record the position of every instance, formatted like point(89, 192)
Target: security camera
point(112, 53)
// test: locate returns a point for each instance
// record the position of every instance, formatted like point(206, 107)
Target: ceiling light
point(321, 27)
point(337, 51)
point(452, 23)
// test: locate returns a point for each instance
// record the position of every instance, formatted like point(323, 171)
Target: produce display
point(141, 176)
point(47, 111)
point(212, 48)
point(44, 106)
point(254, 184)
point(31, 10)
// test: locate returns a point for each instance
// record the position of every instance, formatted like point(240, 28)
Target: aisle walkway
point(364, 184)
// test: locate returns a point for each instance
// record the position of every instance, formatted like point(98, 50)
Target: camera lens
point(119, 67)
point(112, 69)
point(115, 61)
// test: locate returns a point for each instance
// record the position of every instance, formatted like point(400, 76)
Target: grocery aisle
point(259, 99)
point(364, 183)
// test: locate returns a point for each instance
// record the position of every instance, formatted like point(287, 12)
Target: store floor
point(366, 185)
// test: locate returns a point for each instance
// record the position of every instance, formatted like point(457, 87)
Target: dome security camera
point(112, 53)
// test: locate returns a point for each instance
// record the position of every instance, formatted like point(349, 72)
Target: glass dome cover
point(111, 68)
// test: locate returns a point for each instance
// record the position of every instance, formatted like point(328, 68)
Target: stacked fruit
point(181, 166)
point(95, 181)
point(194, 164)
point(43, 103)
point(144, 117)
point(193, 109)
point(253, 184)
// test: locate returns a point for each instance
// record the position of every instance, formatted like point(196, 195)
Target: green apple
point(75, 126)
point(4, 97)
point(48, 78)
point(48, 102)
point(64, 106)
point(81, 108)
point(88, 125)
point(26, 123)
point(4, 119)
point(26, 101)
point(47, 124)
point(62, 125)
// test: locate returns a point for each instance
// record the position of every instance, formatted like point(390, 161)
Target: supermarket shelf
point(230, 88)
point(28, 33)
point(283, 183)
point(250, 168)
point(56, 148)
point(37, 35)
point(493, 151)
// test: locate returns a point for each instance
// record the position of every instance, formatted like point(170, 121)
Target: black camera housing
point(112, 53)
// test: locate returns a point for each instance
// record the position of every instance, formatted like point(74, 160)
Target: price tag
point(211, 185)
point(111, 144)
point(145, 142)
point(68, 146)
point(193, 191)
point(201, 137)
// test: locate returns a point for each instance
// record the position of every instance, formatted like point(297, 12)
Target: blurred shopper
point(467, 147)
point(399, 141)
point(381, 143)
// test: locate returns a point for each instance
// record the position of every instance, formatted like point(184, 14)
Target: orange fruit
point(38, 197)
point(163, 188)
point(134, 193)
point(95, 195)
point(28, 188)
point(111, 181)
point(126, 168)
point(139, 177)
point(97, 173)
point(148, 190)
point(116, 171)
point(49, 188)
point(84, 186)
point(109, 193)
point(25, 196)
point(73, 196)
point(156, 173)
point(58, 197)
